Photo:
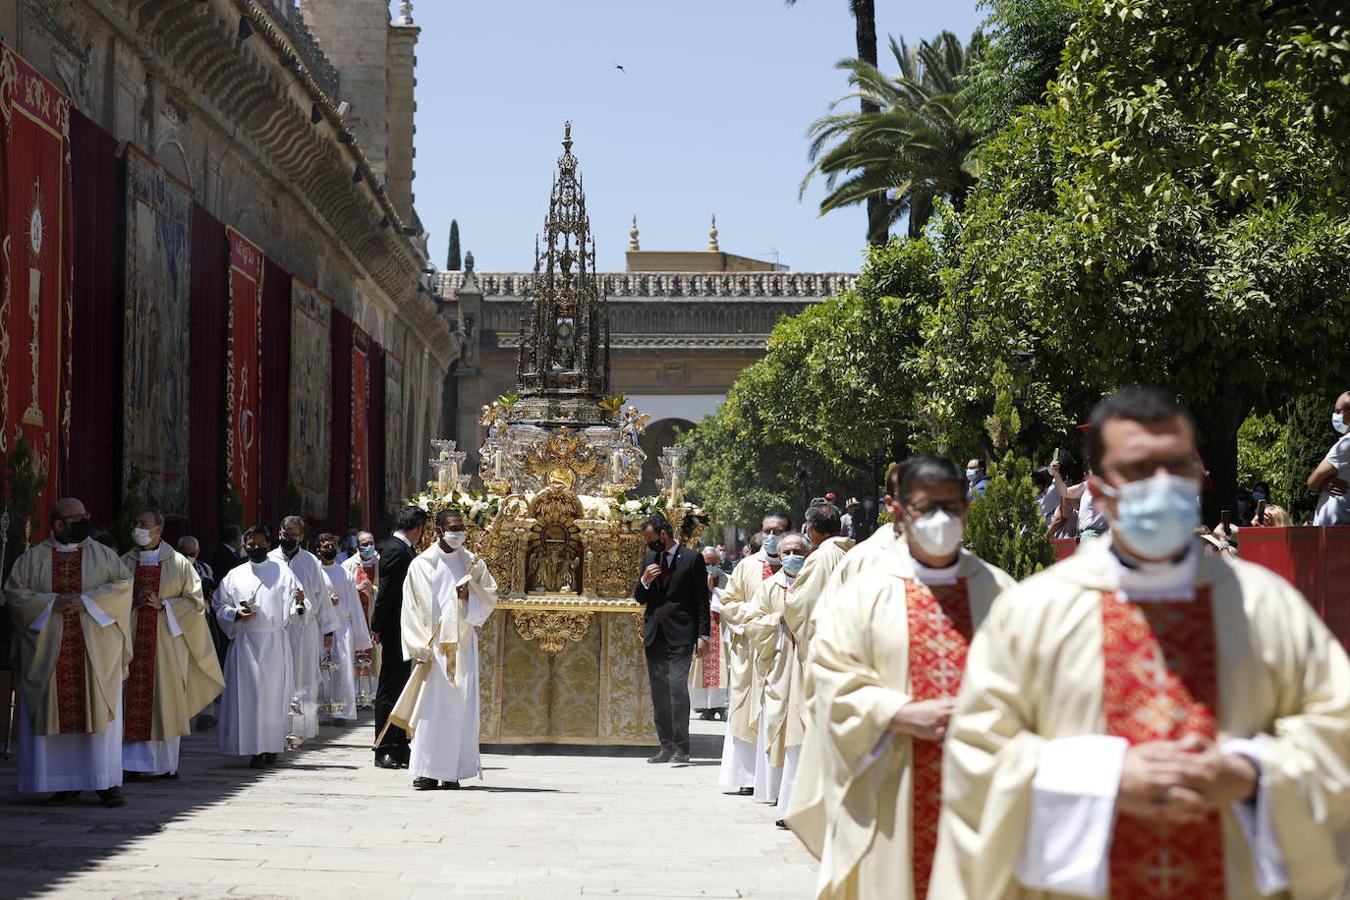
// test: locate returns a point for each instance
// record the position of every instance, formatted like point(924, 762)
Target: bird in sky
point(621, 68)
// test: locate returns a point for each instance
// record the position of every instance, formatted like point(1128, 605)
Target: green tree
point(453, 261)
point(915, 148)
point(1026, 44)
point(1005, 526)
point(864, 14)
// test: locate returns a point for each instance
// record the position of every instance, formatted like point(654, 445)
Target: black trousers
point(668, 671)
point(394, 672)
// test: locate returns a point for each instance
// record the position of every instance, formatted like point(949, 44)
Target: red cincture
point(712, 660)
point(940, 628)
point(140, 695)
point(71, 710)
point(1162, 683)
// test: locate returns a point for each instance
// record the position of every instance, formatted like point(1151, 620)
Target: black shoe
point(449, 785)
point(64, 798)
point(257, 762)
point(425, 784)
point(131, 776)
point(722, 714)
point(167, 776)
point(385, 761)
point(746, 792)
point(111, 798)
point(269, 758)
point(205, 722)
point(781, 824)
point(680, 758)
point(707, 715)
point(663, 757)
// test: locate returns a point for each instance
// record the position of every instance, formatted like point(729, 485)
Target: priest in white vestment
point(254, 604)
point(174, 672)
point(801, 804)
point(886, 659)
point(742, 734)
point(310, 635)
point(448, 595)
point(708, 674)
point(1144, 719)
point(780, 729)
point(352, 635)
point(364, 569)
point(70, 602)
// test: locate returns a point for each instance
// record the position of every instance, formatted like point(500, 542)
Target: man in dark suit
point(674, 589)
point(386, 627)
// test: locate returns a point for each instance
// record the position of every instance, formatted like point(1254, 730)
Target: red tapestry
point(940, 628)
point(140, 696)
point(243, 372)
point(712, 660)
point(360, 393)
point(36, 319)
point(71, 661)
point(1162, 683)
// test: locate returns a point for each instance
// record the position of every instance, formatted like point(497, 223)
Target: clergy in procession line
point(255, 603)
point(738, 746)
point(310, 635)
point(70, 601)
point(448, 595)
point(780, 721)
point(708, 675)
point(174, 672)
point(1144, 719)
point(352, 635)
point(886, 660)
point(826, 571)
point(673, 591)
point(364, 568)
point(391, 742)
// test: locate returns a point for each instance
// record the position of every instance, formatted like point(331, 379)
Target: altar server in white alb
point(174, 671)
point(254, 604)
point(70, 602)
point(447, 597)
point(1145, 719)
point(310, 634)
point(352, 635)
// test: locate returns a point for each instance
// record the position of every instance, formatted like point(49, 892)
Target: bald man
point(70, 600)
point(364, 568)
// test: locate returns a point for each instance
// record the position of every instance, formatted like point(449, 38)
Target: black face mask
point(77, 532)
point(327, 554)
point(288, 543)
point(257, 554)
point(656, 546)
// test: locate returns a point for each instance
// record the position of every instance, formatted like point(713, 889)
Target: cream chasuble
point(737, 606)
point(825, 572)
point(1035, 748)
point(880, 831)
point(70, 666)
point(174, 671)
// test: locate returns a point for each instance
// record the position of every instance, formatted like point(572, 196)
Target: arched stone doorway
point(658, 436)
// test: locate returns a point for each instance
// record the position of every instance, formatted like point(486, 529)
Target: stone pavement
point(325, 822)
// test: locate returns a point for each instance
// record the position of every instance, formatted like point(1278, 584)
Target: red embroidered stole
point(71, 664)
point(712, 660)
point(140, 696)
point(940, 628)
point(1161, 683)
point(363, 577)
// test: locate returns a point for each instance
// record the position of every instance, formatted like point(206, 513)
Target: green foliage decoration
point(1005, 526)
point(23, 488)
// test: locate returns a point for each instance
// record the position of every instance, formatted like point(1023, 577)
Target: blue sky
point(710, 118)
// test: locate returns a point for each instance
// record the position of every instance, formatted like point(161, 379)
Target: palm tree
point(865, 37)
point(917, 145)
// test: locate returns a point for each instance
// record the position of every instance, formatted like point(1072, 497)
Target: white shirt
point(1335, 510)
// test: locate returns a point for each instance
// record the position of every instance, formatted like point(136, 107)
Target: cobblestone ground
point(324, 822)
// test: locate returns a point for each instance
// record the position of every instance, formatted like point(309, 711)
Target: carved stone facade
point(677, 339)
point(239, 101)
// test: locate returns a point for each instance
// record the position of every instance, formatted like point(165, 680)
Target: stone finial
point(468, 261)
point(712, 237)
point(405, 13)
point(633, 235)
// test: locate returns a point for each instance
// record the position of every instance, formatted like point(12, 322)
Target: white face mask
point(1338, 423)
point(455, 539)
point(141, 536)
point(937, 533)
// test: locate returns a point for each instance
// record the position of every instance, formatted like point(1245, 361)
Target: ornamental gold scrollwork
point(551, 629)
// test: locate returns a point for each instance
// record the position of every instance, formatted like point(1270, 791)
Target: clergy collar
point(782, 577)
point(930, 576)
point(149, 556)
point(64, 548)
point(1153, 582)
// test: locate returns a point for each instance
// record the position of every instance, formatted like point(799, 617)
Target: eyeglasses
point(953, 509)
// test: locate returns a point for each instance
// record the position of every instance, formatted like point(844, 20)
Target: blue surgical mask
point(367, 552)
point(793, 564)
point(1156, 517)
point(1258, 496)
point(771, 544)
point(972, 474)
point(1338, 423)
point(713, 569)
